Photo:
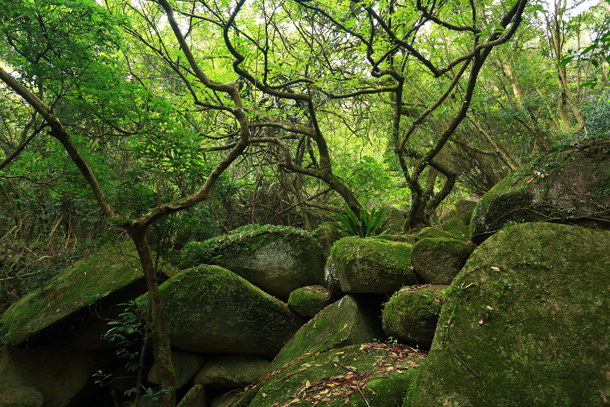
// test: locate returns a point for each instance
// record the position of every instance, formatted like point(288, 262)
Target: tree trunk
point(160, 332)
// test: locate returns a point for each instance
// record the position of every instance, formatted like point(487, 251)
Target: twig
point(345, 367)
point(363, 396)
point(455, 355)
point(24, 275)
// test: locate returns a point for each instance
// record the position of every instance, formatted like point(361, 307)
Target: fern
point(366, 225)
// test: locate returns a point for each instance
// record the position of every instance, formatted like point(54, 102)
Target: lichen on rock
point(567, 185)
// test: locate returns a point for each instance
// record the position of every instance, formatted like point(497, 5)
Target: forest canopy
point(383, 105)
point(175, 121)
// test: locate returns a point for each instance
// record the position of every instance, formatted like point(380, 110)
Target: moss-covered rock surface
point(278, 259)
point(74, 289)
point(372, 265)
point(525, 323)
point(571, 185)
point(354, 376)
point(438, 260)
point(231, 371)
point(432, 232)
point(308, 301)
point(411, 315)
point(349, 321)
point(212, 310)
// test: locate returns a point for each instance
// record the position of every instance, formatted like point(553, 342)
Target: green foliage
point(130, 334)
point(597, 112)
point(366, 225)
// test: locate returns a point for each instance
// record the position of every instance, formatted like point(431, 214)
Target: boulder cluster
point(275, 316)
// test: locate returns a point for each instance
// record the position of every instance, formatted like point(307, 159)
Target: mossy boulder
point(438, 260)
point(570, 186)
point(54, 376)
point(410, 239)
point(232, 371)
point(113, 273)
point(525, 323)
point(351, 320)
point(277, 259)
point(432, 232)
point(411, 315)
point(212, 310)
point(308, 301)
point(354, 376)
point(372, 265)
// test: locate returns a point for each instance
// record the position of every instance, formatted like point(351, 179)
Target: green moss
point(525, 323)
point(246, 239)
point(308, 301)
point(382, 373)
point(431, 232)
point(410, 239)
point(277, 259)
point(372, 265)
point(79, 286)
point(349, 321)
point(460, 233)
point(210, 309)
point(438, 260)
point(411, 314)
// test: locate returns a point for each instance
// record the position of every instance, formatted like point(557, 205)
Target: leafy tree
point(46, 56)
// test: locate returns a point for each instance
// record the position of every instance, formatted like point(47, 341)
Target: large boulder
point(567, 186)
point(525, 323)
point(212, 310)
point(349, 321)
point(354, 376)
point(438, 260)
point(277, 259)
point(35, 377)
point(231, 371)
point(64, 304)
point(372, 265)
point(411, 315)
